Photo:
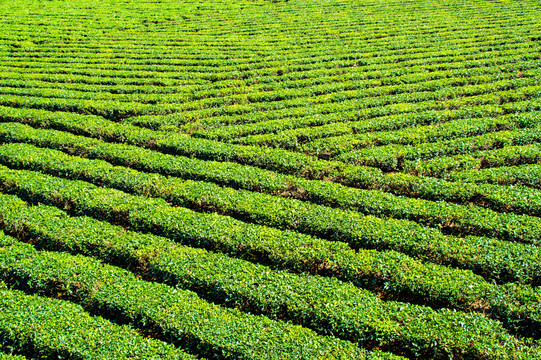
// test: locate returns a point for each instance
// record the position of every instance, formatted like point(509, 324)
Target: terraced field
point(260, 179)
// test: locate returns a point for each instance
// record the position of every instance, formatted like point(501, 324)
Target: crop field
point(270, 179)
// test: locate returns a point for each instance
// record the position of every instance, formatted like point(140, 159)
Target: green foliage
point(329, 306)
point(47, 328)
point(502, 261)
point(527, 175)
point(318, 173)
point(464, 219)
point(389, 270)
point(11, 357)
point(178, 315)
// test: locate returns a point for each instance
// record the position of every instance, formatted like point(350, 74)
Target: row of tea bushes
point(290, 214)
point(483, 159)
point(466, 220)
point(291, 133)
point(432, 129)
point(327, 305)
point(392, 157)
point(287, 250)
point(43, 328)
point(525, 175)
point(176, 315)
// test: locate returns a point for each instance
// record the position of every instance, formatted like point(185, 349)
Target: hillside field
point(270, 179)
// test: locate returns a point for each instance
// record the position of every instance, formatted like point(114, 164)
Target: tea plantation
point(270, 179)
